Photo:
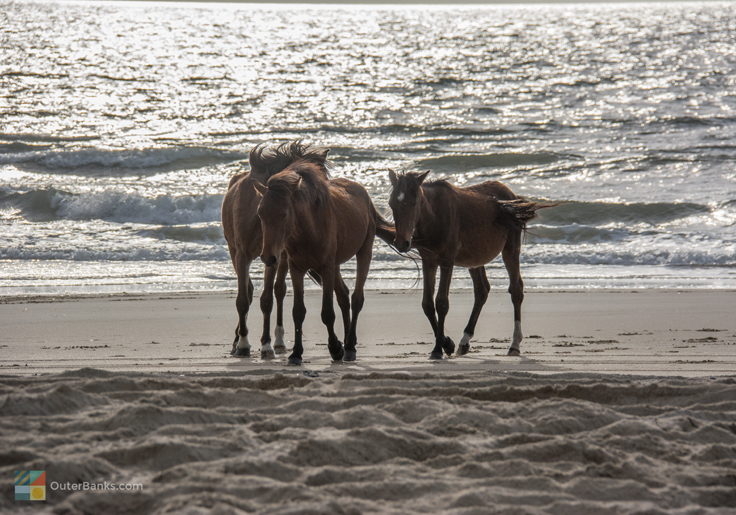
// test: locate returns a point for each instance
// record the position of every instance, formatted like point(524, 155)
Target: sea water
point(121, 124)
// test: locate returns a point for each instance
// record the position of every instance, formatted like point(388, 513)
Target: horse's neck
point(309, 222)
point(427, 216)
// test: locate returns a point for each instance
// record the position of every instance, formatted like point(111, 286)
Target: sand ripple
point(382, 442)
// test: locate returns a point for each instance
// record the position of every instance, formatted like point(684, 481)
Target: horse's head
point(276, 212)
point(405, 205)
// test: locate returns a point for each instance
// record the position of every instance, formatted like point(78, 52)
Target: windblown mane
point(306, 180)
point(267, 161)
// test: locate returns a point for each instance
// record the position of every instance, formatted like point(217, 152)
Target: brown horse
point(242, 230)
point(466, 227)
point(321, 223)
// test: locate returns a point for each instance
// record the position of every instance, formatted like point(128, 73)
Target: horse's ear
point(323, 153)
point(255, 156)
point(422, 176)
point(393, 177)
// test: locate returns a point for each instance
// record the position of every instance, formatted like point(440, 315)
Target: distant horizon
point(409, 2)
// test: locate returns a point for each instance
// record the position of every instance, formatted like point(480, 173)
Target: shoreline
point(231, 293)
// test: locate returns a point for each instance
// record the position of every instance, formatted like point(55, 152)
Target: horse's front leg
point(241, 346)
point(279, 345)
point(298, 312)
point(328, 314)
point(442, 305)
point(269, 274)
point(429, 276)
point(343, 300)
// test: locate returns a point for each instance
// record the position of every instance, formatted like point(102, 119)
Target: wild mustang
point(242, 230)
point(466, 227)
point(320, 223)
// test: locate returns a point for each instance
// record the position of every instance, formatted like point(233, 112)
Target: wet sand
point(686, 333)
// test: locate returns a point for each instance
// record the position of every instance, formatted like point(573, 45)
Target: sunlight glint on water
point(121, 123)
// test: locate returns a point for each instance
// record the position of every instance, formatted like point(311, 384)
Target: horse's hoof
point(279, 347)
point(463, 349)
point(513, 352)
point(337, 352)
point(448, 346)
point(241, 353)
point(268, 354)
point(295, 360)
point(350, 355)
point(436, 355)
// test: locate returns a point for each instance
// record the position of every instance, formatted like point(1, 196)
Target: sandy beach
point(623, 402)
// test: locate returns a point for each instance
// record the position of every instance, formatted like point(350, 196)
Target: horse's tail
point(384, 229)
point(315, 277)
point(518, 212)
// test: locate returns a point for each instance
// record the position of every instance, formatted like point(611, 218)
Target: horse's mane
point(305, 179)
point(438, 183)
point(267, 161)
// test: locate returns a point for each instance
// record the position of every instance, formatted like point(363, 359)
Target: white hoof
point(267, 351)
point(243, 343)
point(516, 339)
point(242, 349)
point(279, 346)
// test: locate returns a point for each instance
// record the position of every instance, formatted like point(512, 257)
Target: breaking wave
point(51, 204)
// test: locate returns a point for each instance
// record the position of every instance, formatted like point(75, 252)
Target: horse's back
point(482, 231)
point(494, 189)
point(353, 213)
point(345, 188)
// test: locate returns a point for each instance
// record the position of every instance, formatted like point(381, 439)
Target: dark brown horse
point(321, 223)
point(242, 230)
point(468, 227)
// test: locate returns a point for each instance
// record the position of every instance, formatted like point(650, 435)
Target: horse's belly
point(479, 254)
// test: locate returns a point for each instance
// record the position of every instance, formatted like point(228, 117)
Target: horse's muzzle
point(402, 246)
point(268, 260)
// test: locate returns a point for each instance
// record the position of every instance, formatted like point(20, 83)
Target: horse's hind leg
point(328, 314)
point(363, 259)
point(510, 254)
point(442, 305)
point(481, 287)
point(266, 306)
point(242, 303)
point(279, 346)
point(343, 300)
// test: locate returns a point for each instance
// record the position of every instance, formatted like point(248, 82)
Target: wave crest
point(51, 204)
point(120, 161)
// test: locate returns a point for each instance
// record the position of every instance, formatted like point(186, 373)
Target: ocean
point(121, 123)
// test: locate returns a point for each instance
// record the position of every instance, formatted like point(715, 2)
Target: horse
point(242, 230)
point(468, 227)
point(321, 223)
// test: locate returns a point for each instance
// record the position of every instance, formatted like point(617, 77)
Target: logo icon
point(30, 485)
